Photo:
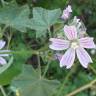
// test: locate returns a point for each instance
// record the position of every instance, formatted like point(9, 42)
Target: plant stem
point(73, 93)
point(50, 35)
point(3, 91)
point(3, 2)
point(92, 68)
point(66, 80)
point(9, 38)
point(46, 69)
point(39, 65)
point(30, 7)
point(3, 30)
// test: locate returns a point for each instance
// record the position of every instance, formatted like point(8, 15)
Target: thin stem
point(30, 7)
point(3, 91)
point(3, 30)
point(39, 65)
point(50, 35)
point(66, 80)
point(92, 68)
point(46, 69)
point(73, 93)
point(3, 2)
point(9, 39)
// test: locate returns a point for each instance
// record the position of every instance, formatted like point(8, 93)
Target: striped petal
point(2, 61)
point(70, 32)
point(2, 44)
point(87, 42)
point(68, 58)
point(59, 44)
point(83, 57)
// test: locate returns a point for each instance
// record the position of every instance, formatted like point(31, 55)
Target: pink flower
point(3, 53)
point(66, 12)
point(75, 46)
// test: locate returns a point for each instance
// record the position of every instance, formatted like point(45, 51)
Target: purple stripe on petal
point(68, 58)
point(83, 57)
point(2, 61)
point(70, 32)
point(59, 44)
point(2, 44)
point(87, 42)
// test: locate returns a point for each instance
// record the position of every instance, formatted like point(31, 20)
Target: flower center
point(74, 45)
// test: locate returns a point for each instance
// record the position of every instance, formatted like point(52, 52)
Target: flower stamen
point(74, 45)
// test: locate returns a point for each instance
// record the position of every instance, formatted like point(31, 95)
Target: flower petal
point(66, 12)
point(83, 57)
point(58, 44)
point(65, 15)
point(2, 61)
point(70, 32)
point(87, 42)
point(2, 44)
point(4, 55)
point(69, 9)
point(68, 58)
point(58, 56)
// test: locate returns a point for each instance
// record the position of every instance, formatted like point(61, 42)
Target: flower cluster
point(3, 53)
point(75, 43)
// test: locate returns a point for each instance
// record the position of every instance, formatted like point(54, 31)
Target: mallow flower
point(3, 53)
point(75, 45)
point(66, 12)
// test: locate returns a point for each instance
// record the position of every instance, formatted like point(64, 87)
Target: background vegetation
point(32, 71)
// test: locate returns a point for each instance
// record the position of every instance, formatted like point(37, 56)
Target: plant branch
point(46, 69)
point(3, 91)
point(73, 93)
point(39, 65)
point(92, 68)
point(66, 80)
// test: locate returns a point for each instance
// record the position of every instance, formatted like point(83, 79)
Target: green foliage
point(10, 72)
point(31, 83)
point(27, 36)
point(43, 19)
point(15, 17)
point(3, 68)
point(18, 18)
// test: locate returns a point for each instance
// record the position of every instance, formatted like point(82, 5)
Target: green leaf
point(12, 71)
point(15, 17)
point(43, 19)
point(30, 83)
point(18, 18)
